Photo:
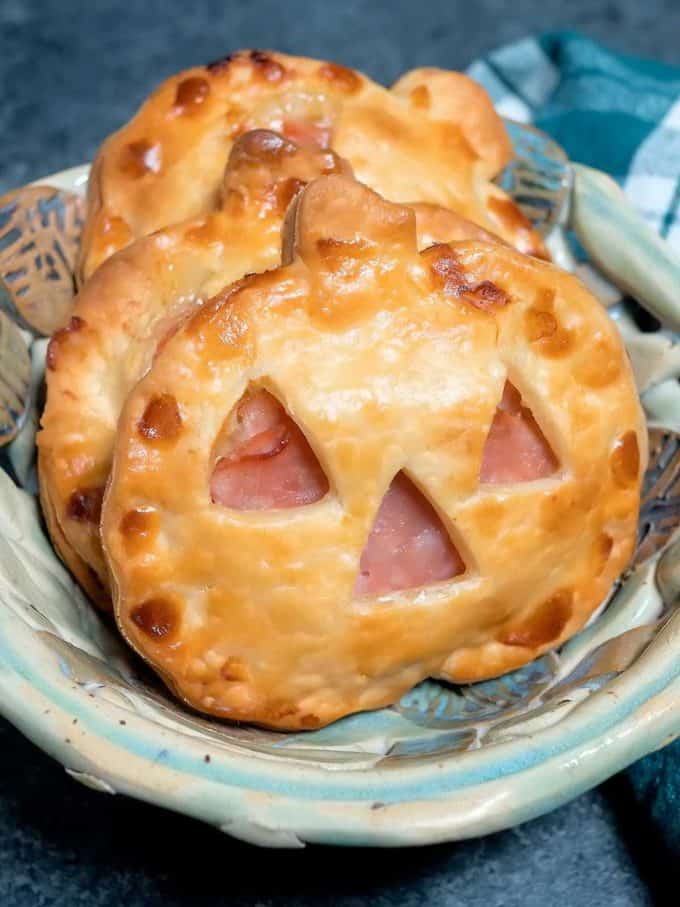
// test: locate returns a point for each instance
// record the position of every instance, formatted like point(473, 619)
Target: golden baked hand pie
point(369, 466)
point(435, 138)
point(136, 300)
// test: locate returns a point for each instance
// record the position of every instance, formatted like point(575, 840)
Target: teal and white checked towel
point(621, 115)
point(610, 111)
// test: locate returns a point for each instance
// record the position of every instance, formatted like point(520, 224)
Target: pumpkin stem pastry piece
point(370, 466)
point(434, 138)
point(135, 302)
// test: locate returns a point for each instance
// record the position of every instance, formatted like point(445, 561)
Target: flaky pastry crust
point(389, 361)
point(434, 138)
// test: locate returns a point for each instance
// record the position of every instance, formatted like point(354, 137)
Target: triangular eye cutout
point(516, 449)
point(408, 546)
point(263, 461)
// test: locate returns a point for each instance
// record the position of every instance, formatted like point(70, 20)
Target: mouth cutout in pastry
point(434, 138)
point(134, 304)
point(370, 466)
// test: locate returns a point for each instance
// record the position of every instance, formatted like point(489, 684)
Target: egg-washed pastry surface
point(135, 302)
point(370, 466)
point(433, 138)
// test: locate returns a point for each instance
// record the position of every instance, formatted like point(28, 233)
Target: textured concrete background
point(70, 72)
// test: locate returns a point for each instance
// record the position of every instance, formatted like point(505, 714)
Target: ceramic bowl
point(444, 763)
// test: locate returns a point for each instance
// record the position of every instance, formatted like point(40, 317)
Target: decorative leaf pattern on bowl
point(40, 229)
point(15, 380)
point(660, 511)
point(538, 177)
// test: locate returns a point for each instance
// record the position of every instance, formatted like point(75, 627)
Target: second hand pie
point(434, 137)
point(369, 466)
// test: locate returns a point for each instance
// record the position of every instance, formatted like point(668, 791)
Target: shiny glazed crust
point(388, 360)
point(140, 296)
point(434, 138)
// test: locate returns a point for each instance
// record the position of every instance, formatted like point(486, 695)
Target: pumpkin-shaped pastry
point(136, 300)
point(370, 466)
point(435, 139)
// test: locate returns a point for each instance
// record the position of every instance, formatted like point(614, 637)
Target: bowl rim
point(283, 803)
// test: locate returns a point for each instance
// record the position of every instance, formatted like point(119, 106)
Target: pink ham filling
point(408, 545)
point(267, 462)
point(307, 134)
point(515, 450)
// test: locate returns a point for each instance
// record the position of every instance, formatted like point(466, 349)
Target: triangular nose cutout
point(516, 449)
point(408, 546)
point(263, 461)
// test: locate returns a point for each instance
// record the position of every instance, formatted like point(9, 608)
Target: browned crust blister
point(388, 360)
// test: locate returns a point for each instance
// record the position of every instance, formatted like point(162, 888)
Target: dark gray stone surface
point(63, 844)
point(70, 72)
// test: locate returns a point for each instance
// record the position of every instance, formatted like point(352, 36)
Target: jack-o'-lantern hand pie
point(370, 466)
point(434, 138)
point(137, 299)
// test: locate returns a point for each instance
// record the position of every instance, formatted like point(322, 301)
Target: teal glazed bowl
point(444, 763)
